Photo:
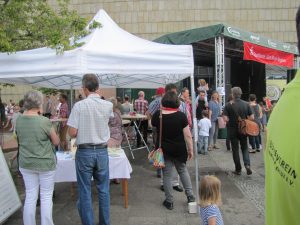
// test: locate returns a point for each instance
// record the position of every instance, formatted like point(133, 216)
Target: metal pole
point(216, 62)
point(220, 69)
point(71, 93)
point(195, 134)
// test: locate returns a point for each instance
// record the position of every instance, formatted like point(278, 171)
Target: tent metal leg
point(142, 139)
point(195, 134)
point(71, 94)
point(128, 142)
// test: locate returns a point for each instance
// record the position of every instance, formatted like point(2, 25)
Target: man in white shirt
point(88, 122)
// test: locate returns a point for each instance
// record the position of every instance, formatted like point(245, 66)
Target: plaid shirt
point(154, 105)
point(90, 117)
point(141, 106)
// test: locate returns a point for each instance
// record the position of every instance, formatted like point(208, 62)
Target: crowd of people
point(97, 127)
point(96, 124)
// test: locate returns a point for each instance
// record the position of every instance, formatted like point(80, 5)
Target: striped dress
point(211, 211)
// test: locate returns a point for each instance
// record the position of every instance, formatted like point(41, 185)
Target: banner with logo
point(267, 55)
point(282, 159)
point(247, 36)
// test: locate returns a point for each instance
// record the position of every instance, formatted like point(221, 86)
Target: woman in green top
point(37, 162)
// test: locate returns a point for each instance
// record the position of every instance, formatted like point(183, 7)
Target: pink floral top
point(64, 113)
point(115, 127)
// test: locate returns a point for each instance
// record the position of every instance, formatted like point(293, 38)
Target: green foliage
point(28, 24)
point(49, 91)
point(6, 85)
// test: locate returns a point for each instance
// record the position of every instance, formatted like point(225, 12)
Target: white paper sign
point(221, 90)
point(9, 197)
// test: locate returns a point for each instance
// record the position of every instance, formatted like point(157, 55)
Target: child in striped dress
point(210, 200)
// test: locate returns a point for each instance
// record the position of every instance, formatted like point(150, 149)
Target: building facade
point(151, 19)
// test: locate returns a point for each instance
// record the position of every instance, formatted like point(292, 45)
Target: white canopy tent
point(119, 58)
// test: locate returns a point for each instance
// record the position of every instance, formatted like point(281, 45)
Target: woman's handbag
point(221, 122)
point(156, 157)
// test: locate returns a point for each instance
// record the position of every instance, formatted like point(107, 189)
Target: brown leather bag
point(248, 127)
point(245, 126)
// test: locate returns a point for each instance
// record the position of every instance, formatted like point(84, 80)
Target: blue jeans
point(202, 144)
point(213, 133)
point(255, 141)
point(93, 163)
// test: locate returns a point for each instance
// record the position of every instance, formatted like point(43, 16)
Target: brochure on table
point(9, 197)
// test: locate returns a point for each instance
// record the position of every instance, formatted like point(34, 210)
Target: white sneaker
point(260, 147)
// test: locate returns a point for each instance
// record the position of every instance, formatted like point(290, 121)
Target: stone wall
point(152, 18)
point(15, 93)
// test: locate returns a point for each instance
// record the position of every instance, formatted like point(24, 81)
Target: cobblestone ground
point(242, 196)
point(249, 207)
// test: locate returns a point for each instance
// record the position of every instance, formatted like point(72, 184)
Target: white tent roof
point(119, 59)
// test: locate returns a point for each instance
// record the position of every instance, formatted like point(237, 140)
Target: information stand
point(9, 197)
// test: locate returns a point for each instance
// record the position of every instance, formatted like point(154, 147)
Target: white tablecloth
point(119, 167)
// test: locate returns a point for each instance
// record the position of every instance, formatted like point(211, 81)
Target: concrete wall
point(15, 93)
point(152, 18)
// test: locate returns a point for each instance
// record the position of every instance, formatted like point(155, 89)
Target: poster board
point(9, 197)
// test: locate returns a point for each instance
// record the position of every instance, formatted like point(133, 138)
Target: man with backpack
point(231, 114)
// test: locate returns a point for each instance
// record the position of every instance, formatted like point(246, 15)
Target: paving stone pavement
point(243, 196)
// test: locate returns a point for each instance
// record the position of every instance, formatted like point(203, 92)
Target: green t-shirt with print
point(282, 159)
point(36, 152)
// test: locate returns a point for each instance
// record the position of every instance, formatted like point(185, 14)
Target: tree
point(28, 24)
point(49, 91)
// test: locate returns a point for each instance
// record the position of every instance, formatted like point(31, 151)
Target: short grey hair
point(236, 92)
point(90, 81)
point(33, 100)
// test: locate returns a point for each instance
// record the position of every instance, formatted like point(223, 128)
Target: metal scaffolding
point(220, 68)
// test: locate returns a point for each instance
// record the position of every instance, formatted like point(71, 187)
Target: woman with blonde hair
point(214, 111)
point(210, 200)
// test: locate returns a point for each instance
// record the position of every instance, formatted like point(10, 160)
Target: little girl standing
point(210, 200)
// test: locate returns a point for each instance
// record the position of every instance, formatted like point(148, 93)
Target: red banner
point(267, 55)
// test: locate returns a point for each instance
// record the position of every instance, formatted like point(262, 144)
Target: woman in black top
point(176, 144)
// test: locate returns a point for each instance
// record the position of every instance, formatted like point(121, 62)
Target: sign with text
point(9, 198)
point(267, 55)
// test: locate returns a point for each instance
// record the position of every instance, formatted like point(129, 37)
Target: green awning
point(191, 36)
point(204, 33)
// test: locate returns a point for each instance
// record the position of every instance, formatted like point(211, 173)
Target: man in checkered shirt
point(141, 106)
